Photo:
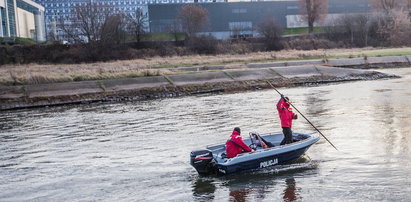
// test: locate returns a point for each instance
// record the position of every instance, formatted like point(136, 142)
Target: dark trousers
point(288, 136)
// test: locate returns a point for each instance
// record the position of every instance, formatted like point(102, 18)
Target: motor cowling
point(201, 160)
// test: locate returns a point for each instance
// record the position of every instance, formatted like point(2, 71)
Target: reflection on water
point(290, 190)
point(254, 185)
point(204, 189)
point(139, 151)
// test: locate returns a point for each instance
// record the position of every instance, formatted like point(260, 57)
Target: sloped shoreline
point(207, 79)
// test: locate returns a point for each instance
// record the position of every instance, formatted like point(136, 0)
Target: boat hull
point(260, 158)
point(261, 162)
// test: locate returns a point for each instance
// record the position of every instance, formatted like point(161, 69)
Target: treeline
point(106, 39)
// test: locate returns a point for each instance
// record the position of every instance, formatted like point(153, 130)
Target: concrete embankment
point(358, 63)
point(223, 79)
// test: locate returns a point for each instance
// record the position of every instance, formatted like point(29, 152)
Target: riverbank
point(159, 66)
point(197, 80)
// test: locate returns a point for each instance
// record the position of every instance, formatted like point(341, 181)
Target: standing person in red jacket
point(286, 117)
point(235, 145)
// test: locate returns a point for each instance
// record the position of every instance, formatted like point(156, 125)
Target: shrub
point(202, 44)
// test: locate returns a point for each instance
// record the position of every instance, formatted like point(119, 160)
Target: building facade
point(228, 19)
point(63, 9)
point(22, 18)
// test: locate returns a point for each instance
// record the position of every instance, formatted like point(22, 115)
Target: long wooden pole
point(305, 118)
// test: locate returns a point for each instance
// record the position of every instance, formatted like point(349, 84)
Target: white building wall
point(40, 26)
point(16, 17)
point(294, 21)
point(26, 25)
point(25, 21)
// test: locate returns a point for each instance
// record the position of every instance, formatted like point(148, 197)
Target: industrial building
point(22, 18)
point(226, 18)
point(63, 9)
point(241, 18)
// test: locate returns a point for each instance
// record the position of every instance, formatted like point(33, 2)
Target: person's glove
point(284, 98)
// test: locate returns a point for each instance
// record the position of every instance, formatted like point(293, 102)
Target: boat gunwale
point(313, 138)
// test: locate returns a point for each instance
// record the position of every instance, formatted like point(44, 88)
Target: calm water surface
point(139, 151)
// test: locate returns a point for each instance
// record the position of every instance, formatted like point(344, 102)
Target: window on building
point(3, 21)
point(240, 25)
point(241, 29)
point(12, 21)
point(239, 10)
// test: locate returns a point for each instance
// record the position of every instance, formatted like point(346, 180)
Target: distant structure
point(228, 18)
point(57, 9)
point(239, 19)
point(22, 18)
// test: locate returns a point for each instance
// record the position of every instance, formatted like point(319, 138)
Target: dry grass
point(36, 73)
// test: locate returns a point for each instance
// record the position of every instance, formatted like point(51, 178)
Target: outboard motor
point(201, 160)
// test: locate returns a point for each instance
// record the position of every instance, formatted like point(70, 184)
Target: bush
point(271, 32)
point(312, 43)
point(378, 29)
point(234, 47)
point(202, 44)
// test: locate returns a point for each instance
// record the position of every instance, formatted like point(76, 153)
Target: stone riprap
point(228, 78)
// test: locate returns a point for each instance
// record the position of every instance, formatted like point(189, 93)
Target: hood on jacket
point(235, 133)
point(286, 104)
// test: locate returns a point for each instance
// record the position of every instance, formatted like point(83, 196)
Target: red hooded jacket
point(233, 149)
point(286, 115)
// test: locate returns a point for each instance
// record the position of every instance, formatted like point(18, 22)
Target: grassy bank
point(35, 73)
point(302, 30)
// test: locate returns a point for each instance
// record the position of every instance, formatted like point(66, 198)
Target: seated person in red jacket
point(236, 145)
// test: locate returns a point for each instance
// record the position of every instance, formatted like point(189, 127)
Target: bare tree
point(271, 31)
point(137, 23)
point(86, 22)
point(69, 28)
point(91, 17)
point(395, 28)
point(378, 28)
point(113, 29)
point(193, 18)
point(313, 11)
point(385, 5)
point(175, 29)
point(356, 27)
point(408, 3)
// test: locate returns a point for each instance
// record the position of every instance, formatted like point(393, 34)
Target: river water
point(139, 151)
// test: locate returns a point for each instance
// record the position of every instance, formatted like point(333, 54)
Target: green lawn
point(302, 30)
point(163, 37)
point(16, 40)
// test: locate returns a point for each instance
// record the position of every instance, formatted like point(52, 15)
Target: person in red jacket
point(286, 117)
point(235, 145)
